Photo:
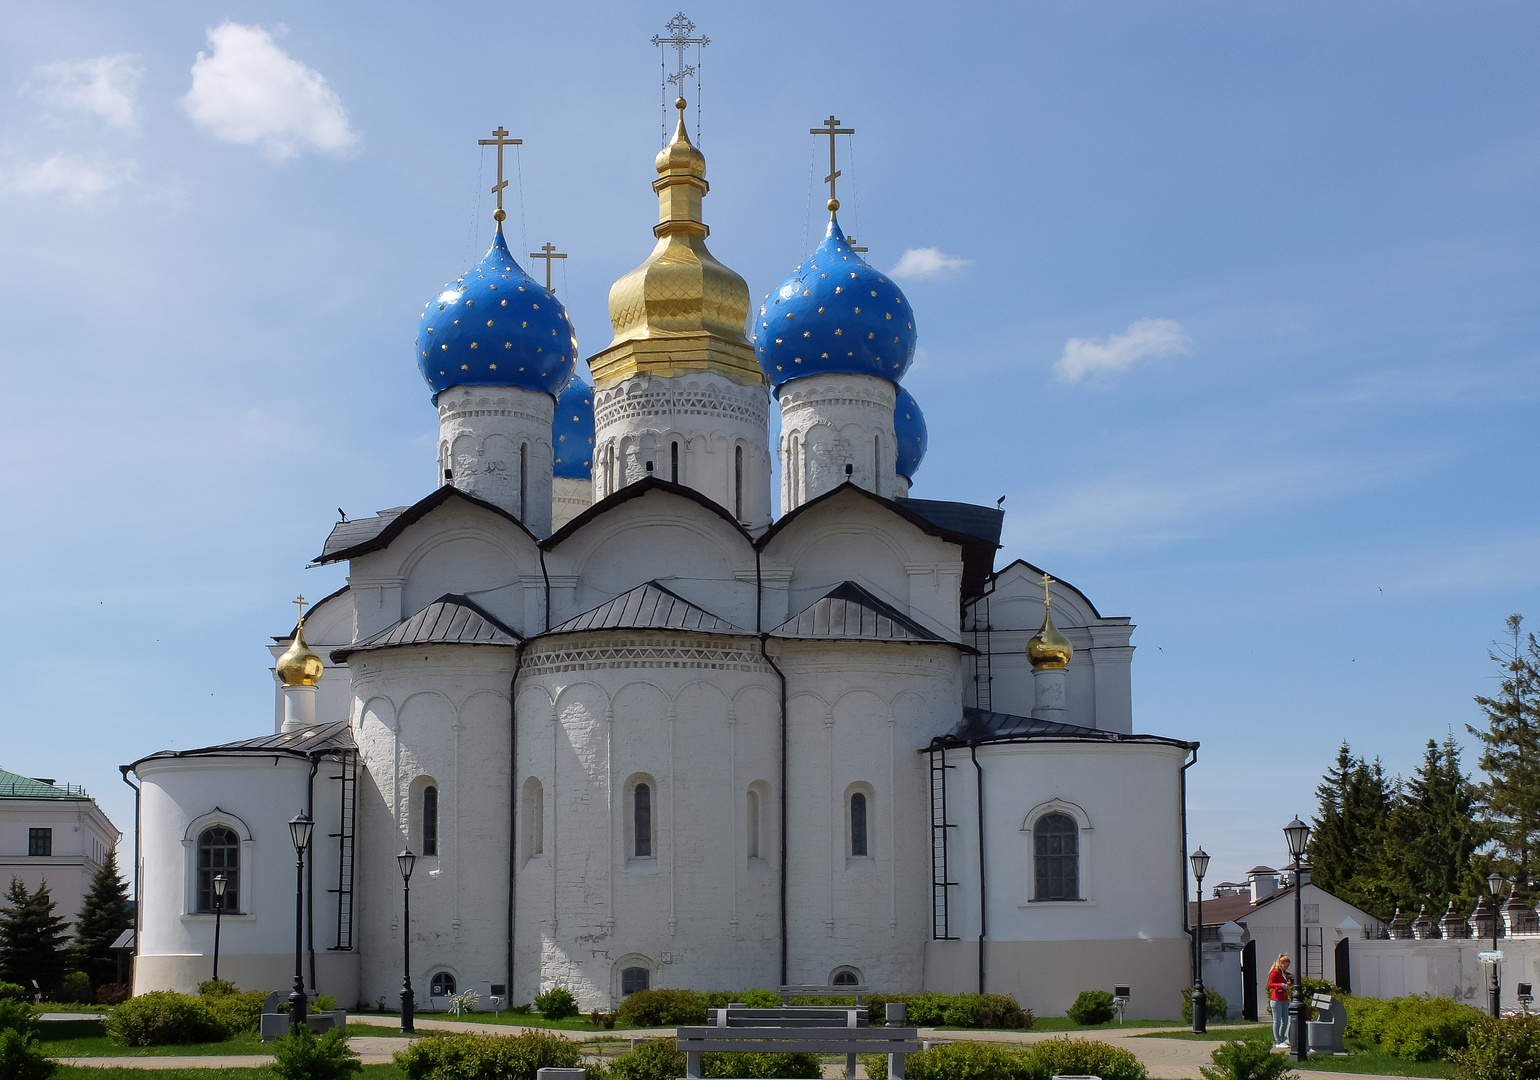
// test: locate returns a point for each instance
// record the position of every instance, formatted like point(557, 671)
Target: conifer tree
point(32, 938)
point(1347, 839)
point(1432, 835)
point(1510, 756)
point(103, 916)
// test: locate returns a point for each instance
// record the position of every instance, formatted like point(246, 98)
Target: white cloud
point(64, 174)
point(250, 91)
point(104, 87)
point(926, 262)
point(1119, 352)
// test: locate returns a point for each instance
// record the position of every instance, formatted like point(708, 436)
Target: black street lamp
point(300, 828)
point(1494, 996)
point(1297, 833)
point(405, 861)
point(219, 910)
point(1199, 861)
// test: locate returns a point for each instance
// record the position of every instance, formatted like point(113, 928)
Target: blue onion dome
point(913, 439)
point(572, 431)
point(835, 313)
point(496, 326)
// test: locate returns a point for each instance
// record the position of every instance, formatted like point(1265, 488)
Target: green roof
point(13, 786)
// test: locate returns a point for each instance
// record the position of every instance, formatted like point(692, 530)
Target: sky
point(1235, 304)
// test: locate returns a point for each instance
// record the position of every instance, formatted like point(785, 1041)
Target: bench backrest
point(792, 1016)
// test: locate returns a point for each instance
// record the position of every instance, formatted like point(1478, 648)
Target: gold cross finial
point(831, 127)
point(499, 139)
point(548, 252)
point(300, 600)
point(851, 240)
point(1046, 581)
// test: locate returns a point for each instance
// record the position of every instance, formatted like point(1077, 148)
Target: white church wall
point(495, 444)
point(569, 498)
point(828, 422)
point(254, 796)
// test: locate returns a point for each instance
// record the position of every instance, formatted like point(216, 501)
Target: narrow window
point(443, 985)
point(753, 817)
point(738, 481)
point(534, 818)
point(1056, 844)
point(219, 852)
point(523, 479)
point(633, 979)
point(39, 841)
point(430, 821)
point(642, 821)
point(791, 466)
point(877, 465)
point(673, 465)
point(858, 825)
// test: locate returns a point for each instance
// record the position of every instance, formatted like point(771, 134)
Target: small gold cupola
point(681, 311)
point(1049, 650)
point(299, 666)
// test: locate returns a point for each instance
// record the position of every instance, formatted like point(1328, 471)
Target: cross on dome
point(831, 127)
point(499, 139)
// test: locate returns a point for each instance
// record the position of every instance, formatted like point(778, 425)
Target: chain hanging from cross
point(679, 30)
point(548, 252)
point(499, 139)
point(831, 127)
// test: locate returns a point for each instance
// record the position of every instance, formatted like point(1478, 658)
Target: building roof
point(636, 491)
point(980, 726)
point(981, 522)
point(1260, 869)
point(323, 738)
point(350, 539)
point(16, 786)
point(847, 612)
point(649, 607)
point(1219, 910)
point(452, 619)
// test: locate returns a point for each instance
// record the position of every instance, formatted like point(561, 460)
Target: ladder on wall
point(348, 775)
point(982, 677)
point(940, 877)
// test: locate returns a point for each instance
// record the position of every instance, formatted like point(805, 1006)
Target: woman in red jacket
point(1279, 981)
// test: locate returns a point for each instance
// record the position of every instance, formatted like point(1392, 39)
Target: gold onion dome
point(1049, 650)
point(681, 311)
point(299, 666)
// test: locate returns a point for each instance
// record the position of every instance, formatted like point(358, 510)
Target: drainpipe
point(973, 751)
point(315, 763)
point(513, 812)
point(1192, 958)
point(544, 574)
point(138, 870)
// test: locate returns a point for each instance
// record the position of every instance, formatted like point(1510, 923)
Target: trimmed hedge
point(1413, 1028)
point(673, 1008)
point(488, 1057)
point(660, 1059)
point(1505, 1049)
point(237, 1012)
point(997, 1061)
point(163, 1018)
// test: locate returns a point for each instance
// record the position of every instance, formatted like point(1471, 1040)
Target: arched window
point(673, 461)
point(858, 838)
point(534, 818)
point(738, 482)
point(442, 985)
point(641, 820)
point(793, 489)
point(846, 977)
point(1056, 851)
point(753, 822)
point(430, 820)
point(219, 852)
point(633, 979)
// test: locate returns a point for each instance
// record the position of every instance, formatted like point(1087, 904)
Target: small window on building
point(633, 979)
point(534, 818)
point(673, 463)
point(642, 820)
point(430, 821)
point(39, 841)
point(219, 852)
point(753, 821)
point(738, 482)
point(1056, 849)
point(858, 845)
point(442, 985)
point(846, 977)
point(523, 480)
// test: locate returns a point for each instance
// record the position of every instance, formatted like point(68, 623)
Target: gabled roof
point(450, 620)
point(649, 607)
point(1038, 571)
point(848, 611)
point(337, 735)
point(980, 726)
point(636, 491)
point(280, 639)
point(350, 539)
point(16, 786)
point(981, 522)
point(1260, 869)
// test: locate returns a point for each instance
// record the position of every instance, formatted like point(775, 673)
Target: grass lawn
point(572, 1023)
point(1362, 1057)
point(1064, 1023)
point(85, 1038)
point(84, 1072)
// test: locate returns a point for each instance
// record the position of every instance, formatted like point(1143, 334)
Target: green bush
point(20, 1059)
point(14, 992)
point(1365, 1017)
point(1505, 1049)
point(660, 1059)
point(655, 1059)
point(324, 1003)
point(1081, 1057)
point(761, 999)
point(1218, 1007)
point(557, 1003)
point(1251, 1058)
point(1092, 1007)
point(489, 1057)
point(75, 987)
point(1427, 1029)
point(304, 1055)
point(17, 1016)
point(662, 1008)
point(163, 1018)
point(212, 988)
point(237, 1012)
point(997, 1061)
point(952, 1010)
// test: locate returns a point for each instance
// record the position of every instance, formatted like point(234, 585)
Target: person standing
point(1279, 982)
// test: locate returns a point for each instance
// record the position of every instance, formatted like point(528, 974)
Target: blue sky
point(1235, 303)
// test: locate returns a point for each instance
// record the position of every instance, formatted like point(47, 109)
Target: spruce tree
point(1432, 834)
point(103, 916)
point(1348, 837)
point(32, 938)
point(1510, 756)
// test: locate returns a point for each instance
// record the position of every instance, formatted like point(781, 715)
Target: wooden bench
point(793, 1030)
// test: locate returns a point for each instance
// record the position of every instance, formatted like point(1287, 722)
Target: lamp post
point(219, 910)
point(1199, 860)
point(405, 861)
point(1494, 996)
point(1297, 833)
point(300, 828)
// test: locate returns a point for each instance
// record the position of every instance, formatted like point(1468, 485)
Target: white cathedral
point(642, 733)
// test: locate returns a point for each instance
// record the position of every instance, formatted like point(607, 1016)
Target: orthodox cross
point(301, 602)
point(831, 127)
point(548, 252)
point(851, 240)
point(1045, 582)
point(679, 30)
point(499, 139)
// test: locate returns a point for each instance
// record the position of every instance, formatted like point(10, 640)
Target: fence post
point(895, 1018)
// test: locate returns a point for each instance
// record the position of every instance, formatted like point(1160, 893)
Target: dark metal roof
point(450, 620)
point(979, 726)
point(337, 735)
point(649, 607)
point(848, 611)
point(350, 539)
point(635, 491)
point(982, 522)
